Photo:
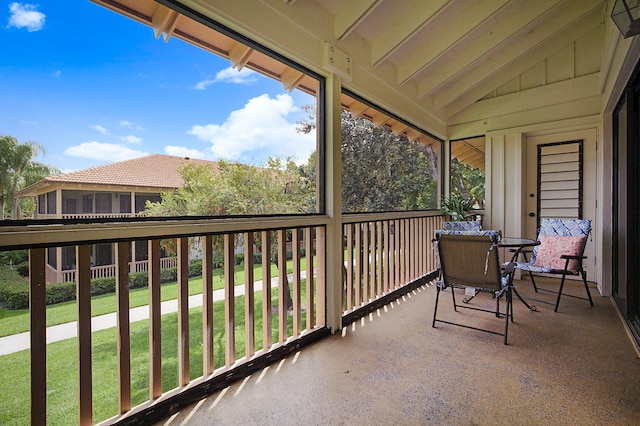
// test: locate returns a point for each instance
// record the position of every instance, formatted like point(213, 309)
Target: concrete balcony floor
point(577, 366)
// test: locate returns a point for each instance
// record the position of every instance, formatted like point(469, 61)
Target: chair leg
point(533, 281)
point(560, 292)
point(435, 310)
point(453, 296)
point(586, 286)
point(506, 317)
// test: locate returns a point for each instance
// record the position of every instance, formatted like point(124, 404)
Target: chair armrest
point(568, 256)
point(509, 268)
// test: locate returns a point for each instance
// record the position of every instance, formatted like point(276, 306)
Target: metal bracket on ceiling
point(335, 60)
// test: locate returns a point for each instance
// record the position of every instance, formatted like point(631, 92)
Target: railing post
point(249, 293)
point(207, 305)
point(38, 336)
point(155, 322)
point(267, 338)
point(83, 302)
point(229, 300)
point(183, 311)
point(124, 332)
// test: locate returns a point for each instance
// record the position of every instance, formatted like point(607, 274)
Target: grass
point(17, 321)
point(62, 368)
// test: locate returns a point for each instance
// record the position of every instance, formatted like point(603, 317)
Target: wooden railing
point(99, 215)
point(260, 323)
point(383, 252)
point(110, 270)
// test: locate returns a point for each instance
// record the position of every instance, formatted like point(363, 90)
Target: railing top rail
point(53, 233)
point(372, 217)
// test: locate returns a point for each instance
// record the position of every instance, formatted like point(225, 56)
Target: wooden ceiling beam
point(164, 21)
point(239, 55)
point(518, 16)
point(349, 17)
point(291, 78)
point(416, 18)
point(453, 23)
point(513, 60)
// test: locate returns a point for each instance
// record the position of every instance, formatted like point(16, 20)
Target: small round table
point(518, 245)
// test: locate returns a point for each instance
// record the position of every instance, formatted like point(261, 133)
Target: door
point(561, 182)
point(626, 205)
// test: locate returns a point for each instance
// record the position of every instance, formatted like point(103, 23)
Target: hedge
point(14, 289)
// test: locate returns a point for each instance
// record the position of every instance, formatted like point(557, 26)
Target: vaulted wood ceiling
point(453, 68)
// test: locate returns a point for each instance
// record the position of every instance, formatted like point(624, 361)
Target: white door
point(561, 182)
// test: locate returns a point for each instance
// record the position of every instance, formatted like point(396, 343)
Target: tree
point(385, 172)
point(468, 182)
point(381, 171)
point(18, 170)
point(239, 189)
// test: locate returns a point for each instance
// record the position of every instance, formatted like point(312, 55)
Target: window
point(387, 165)
point(87, 203)
point(42, 204)
point(103, 202)
point(51, 202)
point(467, 177)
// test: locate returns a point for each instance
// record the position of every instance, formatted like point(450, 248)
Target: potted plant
point(457, 207)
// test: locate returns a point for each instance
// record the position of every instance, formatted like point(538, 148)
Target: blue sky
point(94, 87)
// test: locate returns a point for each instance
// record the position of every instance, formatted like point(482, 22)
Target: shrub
point(103, 285)
point(139, 279)
point(60, 292)
point(18, 300)
point(168, 275)
point(22, 268)
point(195, 268)
point(14, 290)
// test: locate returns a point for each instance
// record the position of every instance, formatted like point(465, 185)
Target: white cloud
point(131, 139)
point(230, 75)
point(103, 151)
point(25, 16)
point(261, 125)
point(100, 129)
point(181, 151)
point(130, 125)
point(58, 73)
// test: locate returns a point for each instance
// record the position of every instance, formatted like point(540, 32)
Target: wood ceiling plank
point(513, 60)
point(452, 25)
point(496, 33)
point(416, 18)
point(352, 15)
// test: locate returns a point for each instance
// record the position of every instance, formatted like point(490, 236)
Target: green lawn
point(17, 321)
point(62, 375)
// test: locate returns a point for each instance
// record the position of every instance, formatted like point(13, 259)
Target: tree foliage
point(238, 189)
point(231, 188)
point(468, 183)
point(385, 172)
point(18, 169)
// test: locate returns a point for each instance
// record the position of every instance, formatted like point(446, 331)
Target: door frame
point(590, 179)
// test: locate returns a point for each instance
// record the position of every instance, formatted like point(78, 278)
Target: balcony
point(576, 366)
point(385, 363)
point(385, 255)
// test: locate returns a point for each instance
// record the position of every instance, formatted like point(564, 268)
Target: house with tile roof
point(110, 191)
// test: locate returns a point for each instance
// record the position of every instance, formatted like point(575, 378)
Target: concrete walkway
point(21, 341)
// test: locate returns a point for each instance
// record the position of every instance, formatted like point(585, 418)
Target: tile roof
point(155, 171)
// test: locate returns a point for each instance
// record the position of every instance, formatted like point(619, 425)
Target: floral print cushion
point(552, 247)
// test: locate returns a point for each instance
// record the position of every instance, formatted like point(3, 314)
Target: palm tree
point(17, 170)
